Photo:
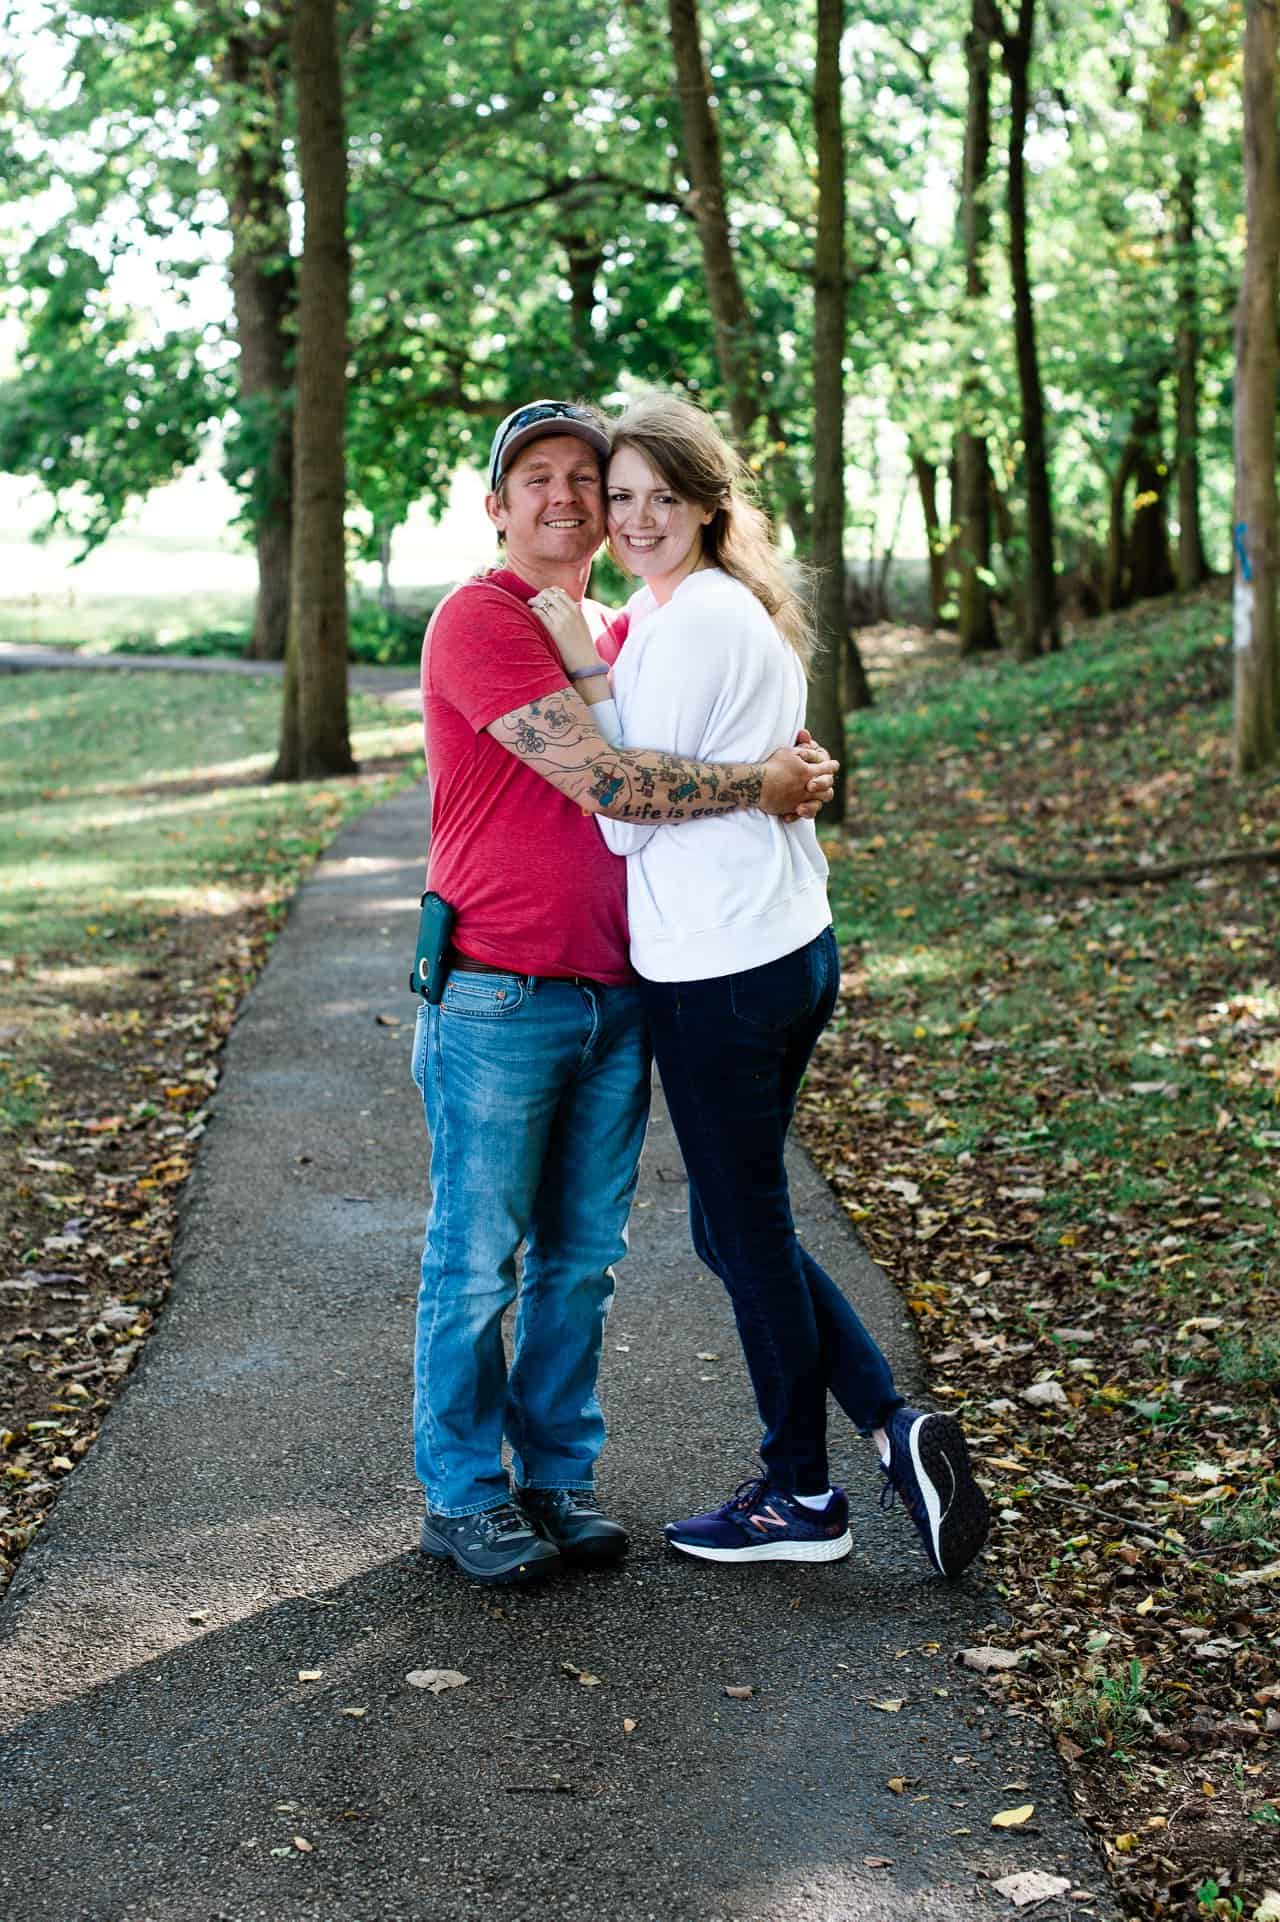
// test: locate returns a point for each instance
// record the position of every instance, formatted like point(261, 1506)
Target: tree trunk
point(731, 322)
point(972, 509)
point(584, 260)
point(782, 484)
point(315, 738)
point(263, 292)
point(1040, 633)
point(1150, 562)
point(827, 698)
point(386, 590)
point(1256, 653)
point(926, 477)
point(1192, 567)
point(1115, 574)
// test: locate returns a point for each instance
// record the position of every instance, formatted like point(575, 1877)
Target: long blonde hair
point(687, 448)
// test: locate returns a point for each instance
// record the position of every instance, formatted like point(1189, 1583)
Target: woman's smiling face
point(653, 532)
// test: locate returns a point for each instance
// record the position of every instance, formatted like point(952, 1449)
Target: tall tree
point(314, 735)
point(975, 622)
point(827, 698)
point(1040, 633)
point(1257, 658)
point(735, 343)
point(1192, 567)
point(263, 286)
point(841, 676)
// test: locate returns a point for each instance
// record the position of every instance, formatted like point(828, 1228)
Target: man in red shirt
point(534, 1067)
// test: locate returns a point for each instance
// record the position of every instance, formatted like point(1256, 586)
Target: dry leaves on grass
point(1054, 1119)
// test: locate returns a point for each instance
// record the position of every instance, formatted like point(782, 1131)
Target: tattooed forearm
point(557, 738)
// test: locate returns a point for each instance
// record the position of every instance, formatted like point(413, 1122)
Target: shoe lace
point(748, 1494)
point(498, 1523)
point(891, 1489)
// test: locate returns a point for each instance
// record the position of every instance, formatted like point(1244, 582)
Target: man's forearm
point(627, 784)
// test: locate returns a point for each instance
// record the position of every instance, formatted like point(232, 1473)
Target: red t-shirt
point(533, 884)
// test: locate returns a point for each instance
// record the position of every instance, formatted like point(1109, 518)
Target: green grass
point(103, 623)
point(129, 802)
point(1111, 1710)
point(1103, 1037)
point(202, 624)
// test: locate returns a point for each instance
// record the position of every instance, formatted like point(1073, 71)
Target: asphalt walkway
point(204, 1711)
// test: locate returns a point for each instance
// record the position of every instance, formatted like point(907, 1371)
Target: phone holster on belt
point(432, 955)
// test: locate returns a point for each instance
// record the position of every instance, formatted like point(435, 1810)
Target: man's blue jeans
point(536, 1095)
point(731, 1052)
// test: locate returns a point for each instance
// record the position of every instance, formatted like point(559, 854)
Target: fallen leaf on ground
point(1268, 1910)
point(1031, 1885)
point(890, 1707)
point(877, 1861)
point(435, 1679)
point(310, 1674)
point(301, 1842)
point(740, 1692)
point(1247, 1576)
point(628, 1725)
point(1045, 1394)
point(986, 1660)
point(355, 1713)
point(1013, 1818)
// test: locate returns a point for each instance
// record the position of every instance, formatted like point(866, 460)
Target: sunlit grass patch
point(130, 801)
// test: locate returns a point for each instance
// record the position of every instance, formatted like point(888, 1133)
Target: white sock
point(813, 1501)
point(881, 1441)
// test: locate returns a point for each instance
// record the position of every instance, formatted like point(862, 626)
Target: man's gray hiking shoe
point(497, 1545)
point(573, 1523)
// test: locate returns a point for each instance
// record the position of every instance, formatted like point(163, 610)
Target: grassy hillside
point(1053, 1110)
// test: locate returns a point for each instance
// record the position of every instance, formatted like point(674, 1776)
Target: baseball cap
point(534, 422)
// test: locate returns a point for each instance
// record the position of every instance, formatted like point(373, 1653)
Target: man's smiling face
point(551, 504)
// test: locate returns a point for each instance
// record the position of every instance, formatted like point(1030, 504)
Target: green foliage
point(524, 225)
point(389, 636)
point(205, 643)
point(1211, 1901)
point(1113, 1711)
point(97, 413)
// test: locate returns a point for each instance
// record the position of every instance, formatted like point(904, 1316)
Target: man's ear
point(494, 508)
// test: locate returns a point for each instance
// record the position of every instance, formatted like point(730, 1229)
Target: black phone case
point(431, 958)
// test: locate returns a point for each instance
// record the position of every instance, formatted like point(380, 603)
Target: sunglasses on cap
point(539, 418)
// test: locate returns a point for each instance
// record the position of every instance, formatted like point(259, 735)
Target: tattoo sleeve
point(557, 738)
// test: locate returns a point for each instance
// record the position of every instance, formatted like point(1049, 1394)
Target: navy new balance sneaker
point(760, 1525)
point(928, 1469)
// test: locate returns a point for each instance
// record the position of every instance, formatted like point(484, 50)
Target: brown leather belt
point(469, 965)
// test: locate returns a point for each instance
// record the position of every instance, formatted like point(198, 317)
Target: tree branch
point(557, 190)
point(1102, 877)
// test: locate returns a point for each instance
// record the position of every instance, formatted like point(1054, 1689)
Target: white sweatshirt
point(709, 677)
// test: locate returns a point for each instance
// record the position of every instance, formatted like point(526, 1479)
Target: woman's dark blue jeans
point(731, 1052)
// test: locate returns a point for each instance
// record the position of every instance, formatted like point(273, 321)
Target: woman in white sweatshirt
point(731, 936)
